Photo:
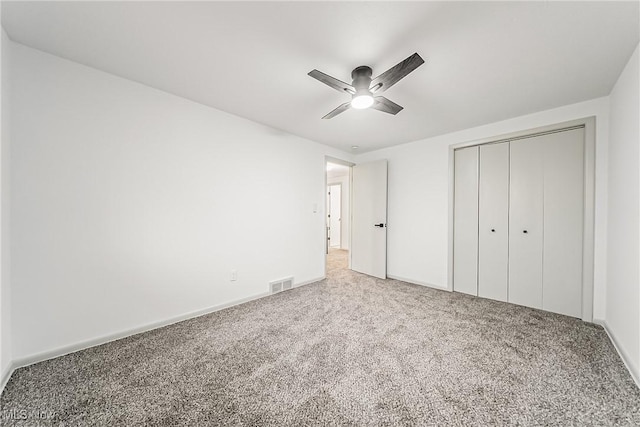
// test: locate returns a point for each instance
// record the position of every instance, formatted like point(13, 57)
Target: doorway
point(334, 215)
point(337, 218)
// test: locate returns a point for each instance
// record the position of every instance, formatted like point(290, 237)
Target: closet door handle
point(493, 230)
point(525, 231)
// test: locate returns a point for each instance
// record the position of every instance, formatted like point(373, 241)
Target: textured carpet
point(349, 350)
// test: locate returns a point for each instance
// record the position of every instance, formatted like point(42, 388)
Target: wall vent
point(281, 285)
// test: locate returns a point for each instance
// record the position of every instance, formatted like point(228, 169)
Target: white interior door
point(465, 221)
point(493, 233)
point(369, 219)
point(335, 215)
point(526, 221)
point(563, 222)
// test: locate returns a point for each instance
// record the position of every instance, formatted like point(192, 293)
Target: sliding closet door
point(526, 221)
point(563, 222)
point(493, 235)
point(465, 221)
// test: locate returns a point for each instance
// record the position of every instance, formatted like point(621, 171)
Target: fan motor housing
point(361, 77)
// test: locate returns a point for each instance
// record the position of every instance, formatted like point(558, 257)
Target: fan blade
point(390, 77)
point(383, 104)
point(341, 109)
point(338, 85)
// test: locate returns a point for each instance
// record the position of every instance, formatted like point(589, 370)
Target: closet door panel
point(465, 222)
point(493, 233)
point(526, 222)
point(563, 222)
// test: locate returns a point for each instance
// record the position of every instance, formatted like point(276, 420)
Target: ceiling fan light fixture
point(361, 101)
point(363, 86)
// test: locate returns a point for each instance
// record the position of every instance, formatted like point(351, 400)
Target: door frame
point(330, 159)
point(589, 124)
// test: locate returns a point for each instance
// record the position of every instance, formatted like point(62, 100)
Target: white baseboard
point(71, 348)
point(63, 350)
point(623, 355)
point(417, 282)
point(6, 374)
point(308, 282)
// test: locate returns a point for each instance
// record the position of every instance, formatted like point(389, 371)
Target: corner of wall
point(6, 362)
point(622, 315)
point(635, 373)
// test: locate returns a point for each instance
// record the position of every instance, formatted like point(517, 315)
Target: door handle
point(525, 231)
point(379, 225)
point(493, 230)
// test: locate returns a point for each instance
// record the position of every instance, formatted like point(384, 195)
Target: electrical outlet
point(234, 275)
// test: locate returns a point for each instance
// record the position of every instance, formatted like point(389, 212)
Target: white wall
point(132, 206)
point(5, 288)
point(419, 189)
point(345, 200)
point(623, 271)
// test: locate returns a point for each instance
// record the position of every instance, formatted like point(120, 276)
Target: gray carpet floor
point(349, 350)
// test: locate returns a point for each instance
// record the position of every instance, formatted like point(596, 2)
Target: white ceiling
point(485, 61)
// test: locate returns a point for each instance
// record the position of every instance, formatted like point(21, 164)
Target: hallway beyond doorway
point(337, 259)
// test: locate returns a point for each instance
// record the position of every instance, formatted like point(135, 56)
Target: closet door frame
point(589, 199)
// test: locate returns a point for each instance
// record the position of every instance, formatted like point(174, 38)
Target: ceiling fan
point(363, 88)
